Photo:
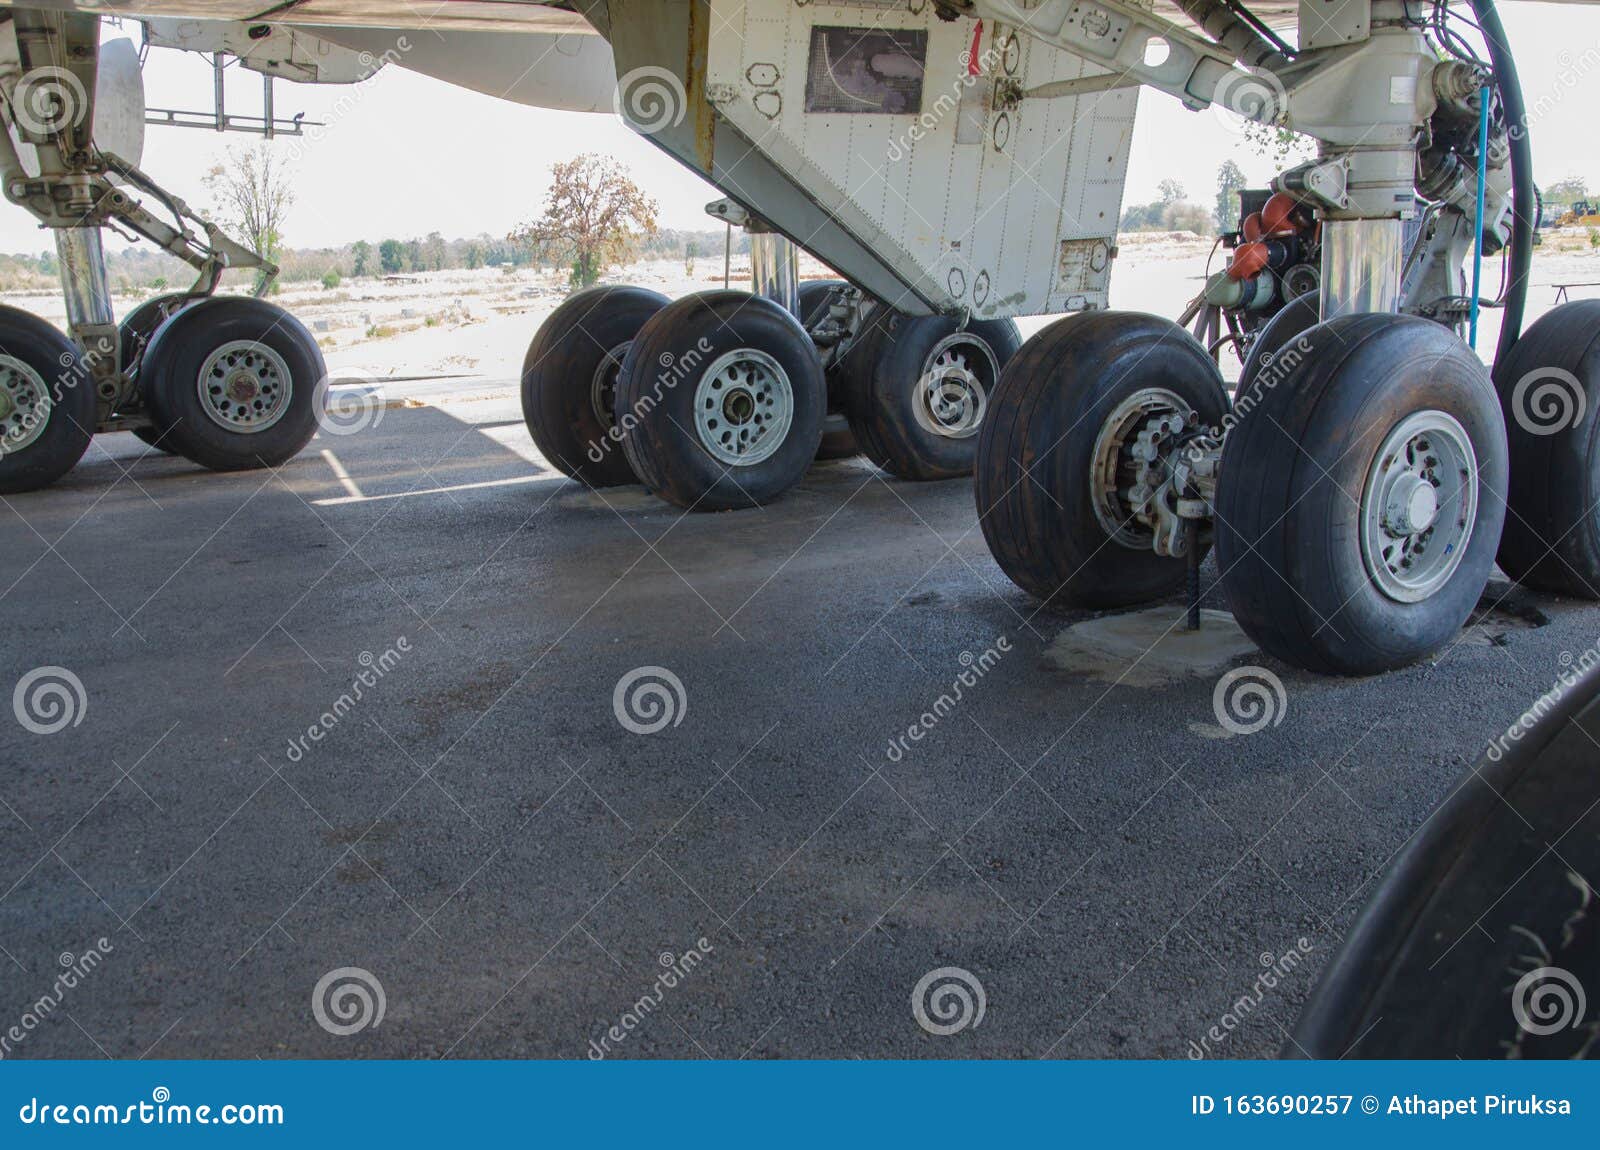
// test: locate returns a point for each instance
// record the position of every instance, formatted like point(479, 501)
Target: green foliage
point(1230, 182)
point(391, 257)
point(330, 279)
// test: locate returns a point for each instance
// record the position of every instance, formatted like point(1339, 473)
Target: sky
point(415, 155)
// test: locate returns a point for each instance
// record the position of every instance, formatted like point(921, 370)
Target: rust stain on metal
point(695, 76)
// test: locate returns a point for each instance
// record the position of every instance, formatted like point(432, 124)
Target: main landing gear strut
point(228, 382)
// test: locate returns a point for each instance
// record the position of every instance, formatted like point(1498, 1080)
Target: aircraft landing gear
point(1360, 503)
point(720, 401)
point(569, 381)
point(816, 297)
point(1074, 492)
point(916, 390)
point(240, 387)
point(47, 403)
point(233, 383)
point(1549, 387)
point(134, 334)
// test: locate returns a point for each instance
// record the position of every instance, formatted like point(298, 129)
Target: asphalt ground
point(513, 869)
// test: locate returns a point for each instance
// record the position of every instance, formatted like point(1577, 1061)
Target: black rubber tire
point(1552, 536)
point(135, 332)
point(171, 370)
point(558, 378)
point(881, 374)
point(656, 396)
point(1438, 960)
point(1295, 318)
point(1288, 529)
point(1036, 444)
point(70, 423)
point(838, 441)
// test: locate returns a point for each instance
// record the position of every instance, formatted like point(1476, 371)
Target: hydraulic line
point(1522, 189)
point(1219, 22)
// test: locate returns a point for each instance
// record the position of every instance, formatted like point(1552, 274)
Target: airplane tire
point(1295, 317)
point(138, 327)
point(1360, 502)
point(916, 390)
point(838, 442)
point(1066, 407)
point(1547, 383)
point(721, 401)
point(234, 383)
point(569, 381)
point(1480, 938)
point(47, 403)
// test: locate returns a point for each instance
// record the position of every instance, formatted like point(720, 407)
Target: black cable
point(1523, 194)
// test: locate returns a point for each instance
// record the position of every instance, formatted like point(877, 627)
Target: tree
point(1230, 182)
point(474, 255)
point(1169, 191)
point(433, 251)
point(1567, 192)
point(391, 256)
point(594, 215)
point(361, 254)
point(252, 197)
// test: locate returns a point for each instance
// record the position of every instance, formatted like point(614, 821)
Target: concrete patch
point(1148, 648)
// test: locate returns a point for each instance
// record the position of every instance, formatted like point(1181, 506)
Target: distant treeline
point(142, 268)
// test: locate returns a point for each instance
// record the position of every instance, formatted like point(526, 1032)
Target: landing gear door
point(910, 132)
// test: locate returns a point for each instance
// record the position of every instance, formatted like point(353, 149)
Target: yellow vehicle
point(1582, 214)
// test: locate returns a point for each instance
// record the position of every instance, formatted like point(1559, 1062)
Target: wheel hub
point(24, 405)
point(245, 386)
point(1411, 506)
point(953, 390)
point(1419, 505)
point(1130, 469)
point(603, 387)
point(743, 407)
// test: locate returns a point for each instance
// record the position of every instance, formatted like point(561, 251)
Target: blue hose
point(1477, 219)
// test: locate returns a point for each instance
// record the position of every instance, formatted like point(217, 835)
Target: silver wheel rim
point(245, 386)
point(1418, 506)
point(603, 386)
point(1112, 467)
point(743, 407)
point(953, 390)
point(24, 405)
